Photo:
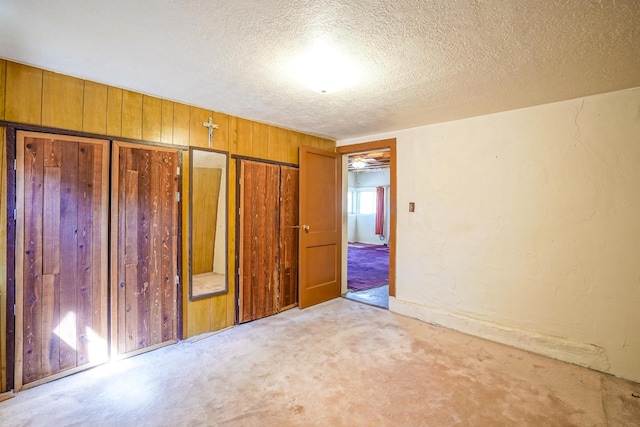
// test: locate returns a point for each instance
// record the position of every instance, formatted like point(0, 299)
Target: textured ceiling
point(421, 62)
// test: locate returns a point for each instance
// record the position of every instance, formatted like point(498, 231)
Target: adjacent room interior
point(336, 213)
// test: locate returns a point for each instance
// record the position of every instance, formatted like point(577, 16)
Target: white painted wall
point(361, 228)
point(527, 228)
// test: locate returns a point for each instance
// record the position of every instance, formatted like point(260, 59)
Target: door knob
point(305, 228)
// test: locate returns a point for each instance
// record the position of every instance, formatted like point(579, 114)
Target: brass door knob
point(305, 228)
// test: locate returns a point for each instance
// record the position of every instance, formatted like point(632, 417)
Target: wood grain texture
point(278, 144)
point(131, 114)
point(147, 245)
point(62, 99)
point(221, 135)
point(94, 110)
point(199, 135)
point(260, 192)
point(3, 92)
point(166, 122)
point(244, 137)
point(181, 124)
point(293, 142)
point(114, 111)
point(151, 118)
point(3, 250)
point(62, 238)
point(23, 101)
point(260, 141)
point(288, 256)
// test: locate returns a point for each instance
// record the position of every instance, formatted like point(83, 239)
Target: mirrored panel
point(208, 220)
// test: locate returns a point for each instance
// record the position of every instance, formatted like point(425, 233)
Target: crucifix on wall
point(211, 126)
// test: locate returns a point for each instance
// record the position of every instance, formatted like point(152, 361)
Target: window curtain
point(380, 211)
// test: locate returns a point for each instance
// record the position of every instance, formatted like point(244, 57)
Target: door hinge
point(178, 171)
point(177, 280)
point(15, 214)
point(238, 271)
point(15, 164)
point(178, 196)
point(14, 310)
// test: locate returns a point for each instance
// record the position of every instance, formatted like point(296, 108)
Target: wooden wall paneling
point(221, 135)
point(23, 101)
point(278, 144)
point(260, 143)
point(151, 118)
point(131, 114)
point(309, 140)
point(199, 135)
point(199, 317)
point(244, 137)
point(181, 126)
point(288, 237)
point(3, 86)
point(94, 110)
point(114, 111)
point(166, 122)
point(62, 101)
point(327, 145)
point(293, 142)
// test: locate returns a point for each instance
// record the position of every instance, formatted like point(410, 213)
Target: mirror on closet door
point(208, 222)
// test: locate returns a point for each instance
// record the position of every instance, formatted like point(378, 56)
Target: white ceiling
point(422, 62)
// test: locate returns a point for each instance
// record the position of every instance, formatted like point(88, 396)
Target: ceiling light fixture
point(358, 163)
point(324, 69)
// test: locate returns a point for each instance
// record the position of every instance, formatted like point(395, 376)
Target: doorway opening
point(369, 237)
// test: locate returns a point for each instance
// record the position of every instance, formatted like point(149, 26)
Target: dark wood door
point(320, 219)
point(268, 239)
point(289, 226)
point(259, 200)
point(61, 255)
point(144, 299)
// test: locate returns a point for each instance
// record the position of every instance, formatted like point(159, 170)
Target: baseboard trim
point(587, 355)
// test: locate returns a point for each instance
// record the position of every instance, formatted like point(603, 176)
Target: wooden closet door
point(259, 207)
point(289, 230)
point(145, 248)
point(61, 255)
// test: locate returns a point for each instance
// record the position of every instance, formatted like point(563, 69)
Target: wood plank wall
point(38, 97)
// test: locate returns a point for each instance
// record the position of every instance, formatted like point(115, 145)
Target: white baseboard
point(587, 355)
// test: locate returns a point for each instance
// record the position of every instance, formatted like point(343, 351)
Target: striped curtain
point(380, 211)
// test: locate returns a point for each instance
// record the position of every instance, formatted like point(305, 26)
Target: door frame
point(382, 144)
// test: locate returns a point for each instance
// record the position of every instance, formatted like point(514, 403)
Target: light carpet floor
point(341, 363)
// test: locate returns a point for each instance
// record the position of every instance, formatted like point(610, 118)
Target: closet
point(63, 302)
point(268, 239)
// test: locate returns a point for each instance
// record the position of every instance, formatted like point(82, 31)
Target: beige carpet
point(338, 364)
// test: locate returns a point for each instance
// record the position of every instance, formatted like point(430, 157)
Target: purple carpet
point(367, 266)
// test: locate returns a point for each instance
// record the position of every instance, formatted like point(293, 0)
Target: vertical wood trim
point(3, 88)
point(151, 118)
point(94, 112)
point(23, 101)
point(19, 265)
point(114, 111)
point(62, 98)
point(181, 124)
point(3, 250)
point(166, 122)
point(131, 114)
point(117, 339)
point(221, 135)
